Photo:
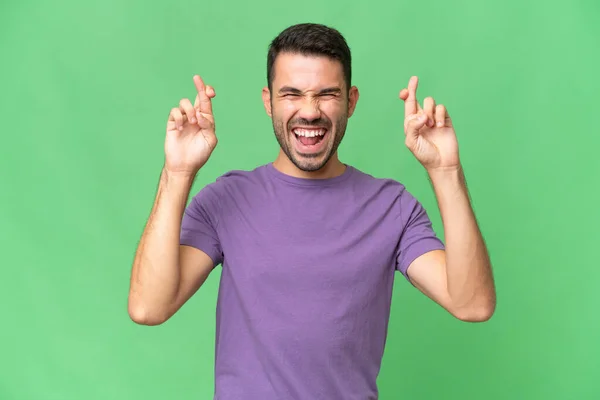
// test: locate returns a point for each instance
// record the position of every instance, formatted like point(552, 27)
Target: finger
point(185, 105)
point(414, 123)
point(203, 104)
point(204, 122)
point(404, 94)
point(429, 109)
point(210, 91)
point(411, 105)
point(440, 115)
point(177, 117)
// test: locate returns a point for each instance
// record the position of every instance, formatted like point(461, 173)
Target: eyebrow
point(289, 89)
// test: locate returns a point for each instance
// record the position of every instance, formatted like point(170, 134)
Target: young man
point(308, 245)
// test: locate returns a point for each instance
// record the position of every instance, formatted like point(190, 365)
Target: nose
point(309, 110)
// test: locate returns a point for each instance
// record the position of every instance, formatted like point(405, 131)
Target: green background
point(86, 91)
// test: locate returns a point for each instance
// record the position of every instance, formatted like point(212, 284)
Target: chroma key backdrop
point(87, 87)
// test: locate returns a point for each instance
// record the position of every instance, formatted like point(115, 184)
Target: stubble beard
point(310, 162)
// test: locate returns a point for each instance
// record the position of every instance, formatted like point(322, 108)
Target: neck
point(333, 168)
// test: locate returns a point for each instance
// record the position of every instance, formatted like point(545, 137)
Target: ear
point(352, 100)
point(266, 96)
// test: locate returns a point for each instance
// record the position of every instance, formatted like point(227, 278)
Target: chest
point(311, 246)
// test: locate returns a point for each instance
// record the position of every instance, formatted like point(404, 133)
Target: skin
point(310, 91)
point(460, 278)
point(164, 274)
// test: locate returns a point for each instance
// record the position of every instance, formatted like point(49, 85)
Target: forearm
point(155, 276)
point(468, 267)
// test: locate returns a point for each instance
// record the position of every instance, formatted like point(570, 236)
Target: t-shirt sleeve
point(200, 223)
point(418, 236)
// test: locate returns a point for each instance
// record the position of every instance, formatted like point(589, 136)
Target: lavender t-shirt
point(306, 282)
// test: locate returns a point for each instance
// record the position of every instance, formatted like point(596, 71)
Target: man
point(308, 245)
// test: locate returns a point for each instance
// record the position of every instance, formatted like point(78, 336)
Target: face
point(310, 106)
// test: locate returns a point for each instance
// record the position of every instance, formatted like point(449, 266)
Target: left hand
point(429, 132)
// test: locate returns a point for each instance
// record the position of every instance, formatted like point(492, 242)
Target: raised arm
point(166, 274)
point(460, 277)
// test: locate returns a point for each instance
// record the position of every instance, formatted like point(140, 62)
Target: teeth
point(309, 132)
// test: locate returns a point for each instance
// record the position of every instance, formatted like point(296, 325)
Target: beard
point(316, 161)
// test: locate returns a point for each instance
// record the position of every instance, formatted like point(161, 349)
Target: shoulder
point(382, 186)
point(230, 183)
point(236, 180)
point(387, 191)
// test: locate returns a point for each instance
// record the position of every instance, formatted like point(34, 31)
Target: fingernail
point(193, 120)
point(440, 124)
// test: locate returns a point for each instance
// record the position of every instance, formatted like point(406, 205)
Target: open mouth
point(310, 137)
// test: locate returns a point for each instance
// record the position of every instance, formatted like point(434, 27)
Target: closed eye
point(331, 92)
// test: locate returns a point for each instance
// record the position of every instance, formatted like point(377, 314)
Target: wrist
point(448, 183)
point(179, 176)
point(446, 174)
point(451, 193)
point(177, 179)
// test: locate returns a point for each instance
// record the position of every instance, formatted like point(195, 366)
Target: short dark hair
point(313, 40)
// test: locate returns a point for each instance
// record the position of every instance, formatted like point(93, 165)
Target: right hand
point(191, 132)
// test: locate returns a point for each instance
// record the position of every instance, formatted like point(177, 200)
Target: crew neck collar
point(274, 172)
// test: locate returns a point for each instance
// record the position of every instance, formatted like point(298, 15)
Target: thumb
point(414, 123)
point(411, 128)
